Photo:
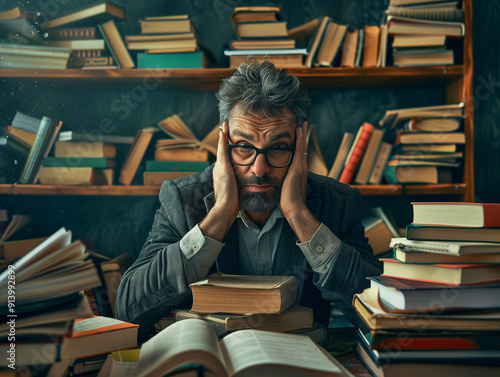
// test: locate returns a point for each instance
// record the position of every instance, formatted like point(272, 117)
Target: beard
point(258, 201)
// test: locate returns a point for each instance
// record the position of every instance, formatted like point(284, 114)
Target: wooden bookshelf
point(455, 80)
point(210, 79)
point(117, 190)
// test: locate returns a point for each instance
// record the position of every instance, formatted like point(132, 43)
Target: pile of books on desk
point(225, 302)
point(167, 42)
point(424, 34)
point(436, 306)
point(261, 33)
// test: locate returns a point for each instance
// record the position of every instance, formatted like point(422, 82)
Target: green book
point(152, 165)
point(36, 151)
point(171, 60)
point(79, 162)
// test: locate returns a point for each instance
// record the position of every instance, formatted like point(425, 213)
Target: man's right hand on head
point(227, 205)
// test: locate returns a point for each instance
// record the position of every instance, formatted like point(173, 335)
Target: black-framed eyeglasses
point(244, 155)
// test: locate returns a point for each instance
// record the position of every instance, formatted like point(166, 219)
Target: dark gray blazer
point(157, 281)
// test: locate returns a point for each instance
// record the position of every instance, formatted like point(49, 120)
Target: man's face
point(260, 184)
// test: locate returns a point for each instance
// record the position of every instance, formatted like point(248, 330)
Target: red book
point(359, 147)
point(471, 215)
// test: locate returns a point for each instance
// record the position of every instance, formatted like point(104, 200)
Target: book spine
point(53, 131)
point(73, 33)
point(36, 151)
point(491, 216)
point(357, 153)
point(380, 163)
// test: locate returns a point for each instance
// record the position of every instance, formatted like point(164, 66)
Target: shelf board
point(211, 78)
point(116, 190)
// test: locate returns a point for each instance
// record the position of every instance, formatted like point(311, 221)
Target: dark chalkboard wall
point(120, 224)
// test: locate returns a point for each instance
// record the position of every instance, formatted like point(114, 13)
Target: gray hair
point(263, 89)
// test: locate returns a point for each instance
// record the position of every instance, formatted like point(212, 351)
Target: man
point(256, 211)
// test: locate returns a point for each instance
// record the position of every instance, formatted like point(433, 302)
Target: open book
point(183, 137)
point(242, 353)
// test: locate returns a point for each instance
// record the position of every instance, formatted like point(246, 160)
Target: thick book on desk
point(445, 233)
point(241, 294)
point(398, 295)
point(294, 318)
point(476, 215)
point(242, 353)
point(453, 274)
point(457, 363)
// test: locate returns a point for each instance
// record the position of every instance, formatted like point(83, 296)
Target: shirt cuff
point(320, 249)
point(194, 242)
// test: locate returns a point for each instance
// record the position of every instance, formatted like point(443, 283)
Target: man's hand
point(220, 218)
point(293, 192)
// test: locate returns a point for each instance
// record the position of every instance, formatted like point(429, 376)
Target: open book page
point(70, 253)
point(184, 342)
point(248, 348)
point(16, 223)
point(182, 135)
point(56, 241)
point(175, 127)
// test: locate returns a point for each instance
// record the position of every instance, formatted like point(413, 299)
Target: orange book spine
point(357, 154)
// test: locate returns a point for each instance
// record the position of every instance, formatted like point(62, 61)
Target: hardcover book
point(294, 318)
point(90, 14)
point(474, 215)
point(452, 274)
point(356, 153)
point(445, 233)
point(241, 294)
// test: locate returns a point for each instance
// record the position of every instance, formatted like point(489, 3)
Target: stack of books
point(91, 34)
point(262, 34)
point(49, 318)
point(181, 155)
point(21, 43)
point(167, 42)
point(436, 303)
point(225, 302)
point(79, 163)
point(421, 31)
point(428, 144)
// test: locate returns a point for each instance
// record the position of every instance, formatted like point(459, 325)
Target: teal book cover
point(172, 60)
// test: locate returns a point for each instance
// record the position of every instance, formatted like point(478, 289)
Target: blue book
point(172, 60)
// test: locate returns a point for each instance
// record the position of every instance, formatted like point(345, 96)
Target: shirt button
point(195, 247)
point(319, 249)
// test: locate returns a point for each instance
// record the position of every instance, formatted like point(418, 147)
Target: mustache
point(254, 180)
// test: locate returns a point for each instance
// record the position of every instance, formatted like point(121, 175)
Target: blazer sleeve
point(353, 263)
point(157, 281)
